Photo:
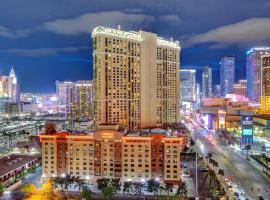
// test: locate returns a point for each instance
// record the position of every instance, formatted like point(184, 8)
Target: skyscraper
point(82, 107)
point(265, 84)
point(206, 82)
point(188, 85)
point(75, 99)
point(216, 91)
point(136, 78)
point(253, 72)
point(65, 92)
point(240, 88)
point(227, 75)
point(9, 87)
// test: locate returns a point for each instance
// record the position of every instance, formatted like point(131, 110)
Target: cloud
point(86, 22)
point(170, 19)
point(5, 32)
point(44, 51)
point(253, 30)
point(133, 10)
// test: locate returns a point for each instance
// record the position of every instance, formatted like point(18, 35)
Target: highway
point(235, 166)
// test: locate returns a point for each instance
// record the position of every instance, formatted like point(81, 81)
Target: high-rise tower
point(136, 78)
point(253, 72)
point(265, 84)
point(206, 82)
point(13, 86)
point(227, 75)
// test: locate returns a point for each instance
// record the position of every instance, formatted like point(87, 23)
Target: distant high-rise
point(227, 75)
point(216, 91)
point(82, 107)
point(240, 88)
point(66, 96)
point(136, 78)
point(9, 87)
point(253, 72)
point(188, 85)
point(265, 84)
point(206, 82)
point(75, 99)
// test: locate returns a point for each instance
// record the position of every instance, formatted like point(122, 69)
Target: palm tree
point(182, 189)
point(168, 188)
point(80, 183)
point(152, 186)
point(221, 172)
point(137, 188)
point(247, 148)
point(127, 187)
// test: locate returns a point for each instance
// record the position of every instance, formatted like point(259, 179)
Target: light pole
point(196, 172)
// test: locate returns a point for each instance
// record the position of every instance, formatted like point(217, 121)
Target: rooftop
point(132, 35)
point(13, 161)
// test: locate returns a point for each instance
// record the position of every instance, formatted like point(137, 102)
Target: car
point(185, 174)
point(235, 194)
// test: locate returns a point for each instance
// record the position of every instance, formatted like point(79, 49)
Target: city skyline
point(45, 42)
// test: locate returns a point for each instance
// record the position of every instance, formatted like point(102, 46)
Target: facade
point(253, 72)
point(75, 99)
point(9, 88)
point(265, 84)
point(188, 85)
point(107, 154)
point(20, 108)
point(82, 108)
point(66, 96)
point(227, 75)
point(136, 78)
point(240, 88)
point(206, 82)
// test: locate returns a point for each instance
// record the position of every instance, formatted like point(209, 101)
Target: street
point(245, 175)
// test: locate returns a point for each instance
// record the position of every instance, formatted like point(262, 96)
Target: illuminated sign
point(247, 131)
point(107, 135)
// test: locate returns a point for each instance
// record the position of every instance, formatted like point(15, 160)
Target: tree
point(103, 182)
point(127, 187)
point(152, 186)
point(221, 172)
point(108, 192)
point(137, 188)
point(214, 192)
point(115, 183)
point(80, 183)
point(86, 193)
point(168, 188)
point(182, 189)
point(47, 188)
point(2, 188)
point(59, 182)
point(247, 148)
point(28, 188)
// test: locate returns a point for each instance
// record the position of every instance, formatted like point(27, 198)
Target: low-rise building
point(13, 165)
point(132, 156)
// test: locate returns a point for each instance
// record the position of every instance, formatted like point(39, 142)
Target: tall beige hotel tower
point(136, 78)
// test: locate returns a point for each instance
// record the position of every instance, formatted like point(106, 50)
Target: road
point(245, 175)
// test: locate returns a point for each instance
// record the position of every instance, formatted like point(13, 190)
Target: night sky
point(46, 40)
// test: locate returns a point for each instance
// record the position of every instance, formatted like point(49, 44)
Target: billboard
point(247, 130)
